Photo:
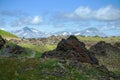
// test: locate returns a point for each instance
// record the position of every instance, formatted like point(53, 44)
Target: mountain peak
point(26, 28)
point(92, 29)
point(27, 32)
point(92, 32)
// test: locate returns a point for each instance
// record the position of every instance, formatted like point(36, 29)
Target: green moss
point(38, 49)
point(96, 39)
point(46, 69)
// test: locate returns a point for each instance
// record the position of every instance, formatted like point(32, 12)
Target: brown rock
point(103, 49)
point(71, 49)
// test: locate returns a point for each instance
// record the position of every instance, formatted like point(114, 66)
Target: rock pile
point(7, 49)
point(103, 49)
point(71, 49)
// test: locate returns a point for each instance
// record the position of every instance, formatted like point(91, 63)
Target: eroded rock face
point(71, 49)
point(8, 50)
point(103, 49)
point(2, 42)
point(16, 49)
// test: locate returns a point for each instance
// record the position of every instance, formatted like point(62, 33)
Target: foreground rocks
point(2, 42)
point(71, 49)
point(73, 52)
point(8, 49)
point(103, 49)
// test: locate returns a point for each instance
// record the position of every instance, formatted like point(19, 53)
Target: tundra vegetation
point(59, 58)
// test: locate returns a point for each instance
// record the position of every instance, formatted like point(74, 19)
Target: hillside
point(35, 59)
point(7, 34)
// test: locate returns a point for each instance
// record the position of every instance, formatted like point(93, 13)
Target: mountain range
point(27, 32)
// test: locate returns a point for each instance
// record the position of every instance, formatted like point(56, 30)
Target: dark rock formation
point(8, 49)
point(2, 42)
point(71, 49)
point(117, 44)
point(16, 49)
point(103, 49)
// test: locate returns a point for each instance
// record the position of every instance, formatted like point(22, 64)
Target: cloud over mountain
point(107, 13)
point(37, 20)
point(29, 20)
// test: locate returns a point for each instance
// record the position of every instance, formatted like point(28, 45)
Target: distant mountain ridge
point(92, 32)
point(27, 32)
point(87, 32)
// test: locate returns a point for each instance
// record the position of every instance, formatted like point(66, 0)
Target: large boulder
point(103, 49)
point(71, 49)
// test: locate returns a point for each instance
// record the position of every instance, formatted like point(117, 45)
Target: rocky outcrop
point(2, 42)
point(16, 49)
point(103, 49)
point(8, 49)
point(71, 49)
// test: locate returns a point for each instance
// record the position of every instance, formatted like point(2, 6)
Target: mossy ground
point(50, 69)
point(7, 34)
point(45, 69)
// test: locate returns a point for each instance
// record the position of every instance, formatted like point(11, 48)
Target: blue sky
point(61, 15)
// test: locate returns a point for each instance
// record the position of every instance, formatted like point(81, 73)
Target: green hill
point(7, 34)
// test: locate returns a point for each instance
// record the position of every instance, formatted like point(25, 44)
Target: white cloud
point(29, 20)
point(83, 12)
point(108, 13)
point(2, 28)
point(37, 20)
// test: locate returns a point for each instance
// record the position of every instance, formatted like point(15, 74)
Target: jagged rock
point(103, 49)
point(16, 49)
point(2, 42)
point(71, 49)
point(9, 50)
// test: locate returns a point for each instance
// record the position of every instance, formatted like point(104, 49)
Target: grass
point(43, 69)
point(5, 34)
point(97, 39)
point(112, 63)
point(38, 49)
point(51, 69)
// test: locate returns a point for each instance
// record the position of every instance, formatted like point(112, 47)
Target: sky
point(61, 15)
